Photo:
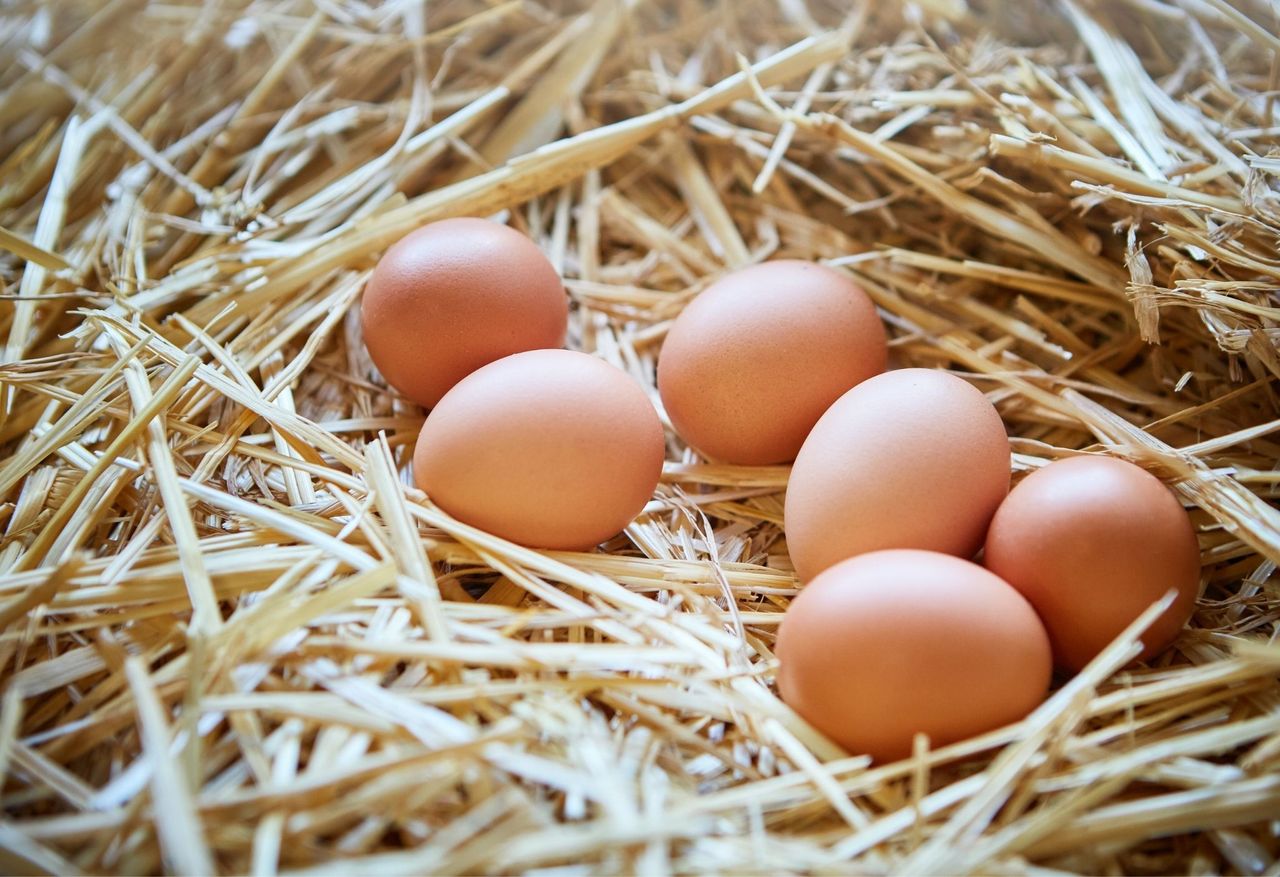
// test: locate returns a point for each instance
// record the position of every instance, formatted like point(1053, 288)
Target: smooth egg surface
point(889, 644)
point(548, 448)
point(752, 363)
point(1092, 542)
point(914, 458)
point(453, 296)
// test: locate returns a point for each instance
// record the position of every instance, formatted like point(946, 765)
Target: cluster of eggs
point(542, 446)
point(899, 479)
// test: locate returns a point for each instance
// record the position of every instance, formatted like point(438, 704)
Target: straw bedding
point(234, 638)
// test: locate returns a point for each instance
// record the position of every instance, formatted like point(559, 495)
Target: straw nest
point(236, 639)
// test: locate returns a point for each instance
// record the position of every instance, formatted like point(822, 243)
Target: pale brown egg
point(453, 296)
point(889, 644)
point(914, 458)
point(1092, 542)
point(751, 363)
point(548, 448)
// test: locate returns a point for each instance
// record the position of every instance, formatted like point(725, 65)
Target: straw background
point(234, 638)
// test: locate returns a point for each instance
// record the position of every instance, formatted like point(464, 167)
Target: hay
point(233, 636)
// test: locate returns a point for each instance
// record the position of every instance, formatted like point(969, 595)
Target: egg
point(751, 363)
point(548, 448)
point(1092, 542)
point(889, 644)
point(453, 296)
point(913, 458)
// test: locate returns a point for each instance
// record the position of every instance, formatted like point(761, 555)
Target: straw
point(235, 638)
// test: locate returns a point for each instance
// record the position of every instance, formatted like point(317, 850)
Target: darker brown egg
point(1092, 542)
point(453, 296)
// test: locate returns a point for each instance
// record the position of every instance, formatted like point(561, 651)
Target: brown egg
point(453, 296)
point(549, 448)
point(1092, 542)
point(893, 643)
point(914, 458)
point(750, 365)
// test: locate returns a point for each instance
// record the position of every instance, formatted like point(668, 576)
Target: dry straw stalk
point(232, 637)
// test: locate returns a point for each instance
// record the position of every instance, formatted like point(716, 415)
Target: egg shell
point(914, 458)
point(453, 296)
point(752, 363)
point(1092, 542)
point(548, 448)
point(893, 643)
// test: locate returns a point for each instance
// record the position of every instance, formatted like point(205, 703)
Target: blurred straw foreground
point(234, 639)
